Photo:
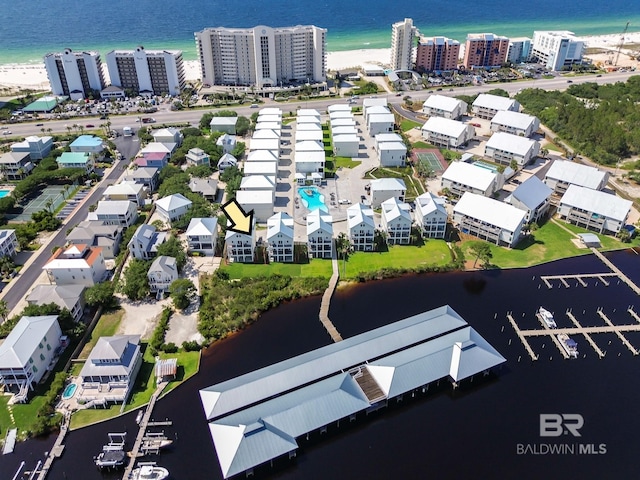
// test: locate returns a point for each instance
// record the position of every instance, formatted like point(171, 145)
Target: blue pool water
point(486, 166)
point(312, 198)
point(4, 193)
point(69, 391)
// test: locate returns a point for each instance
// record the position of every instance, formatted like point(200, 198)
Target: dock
point(633, 314)
point(586, 335)
point(522, 337)
point(579, 277)
point(617, 271)
point(56, 450)
point(622, 338)
point(554, 338)
point(326, 300)
point(581, 330)
point(10, 441)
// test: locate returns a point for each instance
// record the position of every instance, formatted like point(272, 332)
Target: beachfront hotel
point(437, 54)
point(556, 49)
point(485, 50)
point(74, 74)
point(150, 72)
point(268, 413)
point(262, 56)
point(403, 36)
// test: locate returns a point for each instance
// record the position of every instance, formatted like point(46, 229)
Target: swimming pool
point(4, 193)
point(69, 391)
point(312, 198)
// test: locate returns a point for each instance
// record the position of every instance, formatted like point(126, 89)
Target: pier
point(633, 314)
point(615, 269)
point(56, 450)
point(586, 335)
point(326, 300)
point(554, 338)
point(622, 338)
point(522, 337)
point(579, 277)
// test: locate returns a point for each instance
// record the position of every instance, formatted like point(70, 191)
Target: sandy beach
point(34, 76)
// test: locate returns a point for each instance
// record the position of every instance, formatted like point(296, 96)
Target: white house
point(361, 227)
point(348, 130)
point(15, 165)
point(340, 114)
point(145, 242)
point(224, 124)
point(27, 352)
point(262, 156)
point(168, 135)
point(564, 173)
point(8, 242)
point(594, 210)
point(443, 106)
point(115, 212)
point(338, 107)
point(314, 120)
point(131, 191)
point(308, 112)
point(226, 142)
point(266, 133)
point(532, 196)
point(447, 133)
point(385, 188)
point(392, 154)
point(202, 235)
point(486, 105)
point(280, 238)
point(308, 127)
point(380, 123)
point(396, 221)
point(504, 147)
point(431, 215)
point(310, 162)
point(377, 109)
point(346, 145)
point(162, 273)
point(173, 207)
point(65, 296)
point(313, 135)
point(260, 201)
point(275, 126)
point(239, 246)
point(319, 235)
point(197, 157)
point(96, 233)
point(515, 123)
point(488, 219)
point(461, 177)
point(259, 182)
point(76, 265)
point(227, 160)
point(260, 168)
point(272, 144)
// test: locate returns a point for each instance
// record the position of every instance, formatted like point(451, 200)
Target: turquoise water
point(69, 391)
point(40, 26)
point(486, 166)
point(312, 199)
point(4, 193)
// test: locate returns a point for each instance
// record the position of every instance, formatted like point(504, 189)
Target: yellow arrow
point(241, 222)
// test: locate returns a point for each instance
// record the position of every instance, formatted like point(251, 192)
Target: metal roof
point(511, 143)
point(317, 222)
point(490, 211)
point(469, 175)
point(510, 118)
point(280, 222)
point(392, 209)
point(577, 174)
point(428, 203)
point(86, 141)
point(532, 192)
point(442, 102)
point(202, 227)
point(359, 213)
point(595, 201)
point(164, 264)
point(445, 126)
point(24, 339)
point(73, 158)
point(112, 356)
point(388, 184)
point(495, 102)
point(114, 207)
point(65, 296)
point(173, 202)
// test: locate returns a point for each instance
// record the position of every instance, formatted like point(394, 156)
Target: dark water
point(468, 433)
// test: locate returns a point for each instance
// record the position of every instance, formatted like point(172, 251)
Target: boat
point(149, 472)
point(139, 417)
point(110, 457)
point(569, 345)
point(547, 317)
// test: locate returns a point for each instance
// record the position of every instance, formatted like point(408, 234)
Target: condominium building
point(262, 56)
point(74, 74)
point(437, 54)
point(485, 50)
point(556, 49)
point(519, 49)
point(157, 72)
point(403, 36)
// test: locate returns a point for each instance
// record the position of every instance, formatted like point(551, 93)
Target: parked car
point(39, 124)
point(90, 125)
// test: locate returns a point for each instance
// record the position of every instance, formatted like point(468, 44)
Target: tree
point(344, 248)
point(7, 266)
point(101, 295)
point(134, 282)
point(205, 121)
point(4, 310)
point(514, 165)
point(199, 171)
point(174, 248)
point(624, 235)
point(482, 251)
point(181, 291)
point(242, 126)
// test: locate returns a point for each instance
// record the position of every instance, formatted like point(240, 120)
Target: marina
point(547, 279)
point(112, 455)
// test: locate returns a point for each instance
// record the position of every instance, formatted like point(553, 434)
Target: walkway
point(521, 337)
point(326, 300)
point(615, 269)
point(580, 278)
point(57, 449)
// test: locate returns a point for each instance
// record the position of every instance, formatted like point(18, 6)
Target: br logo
point(556, 424)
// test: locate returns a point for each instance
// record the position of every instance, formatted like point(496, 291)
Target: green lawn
point(433, 252)
point(414, 186)
point(24, 414)
point(346, 162)
point(107, 326)
point(315, 268)
point(423, 145)
point(407, 125)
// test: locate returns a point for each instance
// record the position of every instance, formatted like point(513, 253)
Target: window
point(41, 357)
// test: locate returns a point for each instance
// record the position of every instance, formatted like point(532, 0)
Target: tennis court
point(433, 158)
point(49, 198)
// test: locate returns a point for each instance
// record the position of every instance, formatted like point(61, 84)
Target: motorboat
point(149, 472)
point(547, 317)
point(110, 457)
point(569, 345)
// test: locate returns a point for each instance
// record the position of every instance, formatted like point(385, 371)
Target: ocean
point(31, 28)
point(473, 432)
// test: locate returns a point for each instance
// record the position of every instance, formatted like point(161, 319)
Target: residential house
point(504, 148)
point(361, 227)
point(27, 352)
point(311, 135)
point(319, 235)
point(70, 297)
point(37, 147)
point(227, 160)
point(594, 210)
point(76, 265)
point(262, 156)
point(169, 135)
point(563, 173)
point(240, 247)
point(447, 133)
point(346, 145)
point(115, 212)
point(224, 124)
point(162, 273)
point(275, 126)
point(385, 188)
point(8, 242)
point(380, 122)
point(396, 221)
point(280, 238)
point(515, 123)
point(156, 148)
point(226, 142)
point(431, 215)
point(15, 165)
point(202, 235)
point(197, 157)
point(532, 196)
point(96, 233)
point(259, 182)
point(126, 190)
point(391, 154)
point(157, 160)
point(173, 207)
point(76, 160)
point(87, 144)
point(338, 107)
point(145, 242)
point(260, 168)
point(147, 176)
point(272, 144)
point(207, 187)
point(340, 122)
point(265, 134)
point(488, 219)
point(260, 201)
point(461, 177)
point(344, 131)
point(445, 107)
point(486, 105)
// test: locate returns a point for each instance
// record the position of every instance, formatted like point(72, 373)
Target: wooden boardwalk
point(579, 277)
point(633, 314)
point(326, 300)
point(586, 335)
point(56, 450)
point(615, 269)
point(581, 330)
point(521, 337)
point(622, 338)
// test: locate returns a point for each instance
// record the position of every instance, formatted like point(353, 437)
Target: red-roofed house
point(76, 265)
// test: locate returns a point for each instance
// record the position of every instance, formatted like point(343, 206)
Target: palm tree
point(42, 130)
point(49, 130)
point(4, 310)
point(344, 248)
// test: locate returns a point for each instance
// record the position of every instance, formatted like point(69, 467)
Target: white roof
point(308, 119)
point(254, 197)
point(317, 222)
point(511, 143)
point(228, 158)
point(259, 182)
point(346, 130)
point(469, 175)
point(164, 264)
point(359, 213)
point(388, 184)
point(270, 111)
point(310, 127)
point(372, 102)
point(381, 118)
point(173, 202)
point(262, 156)
point(377, 109)
point(306, 112)
point(124, 188)
point(265, 133)
point(445, 126)
point(490, 211)
point(165, 132)
point(393, 146)
point(260, 168)
point(24, 339)
point(428, 202)
point(442, 102)
point(280, 222)
point(340, 114)
point(343, 122)
point(513, 119)
point(597, 202)
point(393, 209)
point(226, 121)
point(264, 144)
point(111, 207)
point(309, 146)
point(346, 138)
point(202, 226)
point(388, 137)
point(315, 135)
point(339, 107)
point(577, 174)
point(310, 157)
point(494, 102)
point(154, 147)
point(270, 118)
point(276, 126)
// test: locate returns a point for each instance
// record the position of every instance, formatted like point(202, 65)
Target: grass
point(346, 162)
point(414, 186)
point(431, 252)
point(553, 146)
point(407, 125)
point(423, 145)
point(107, 326)
point(315, 268)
